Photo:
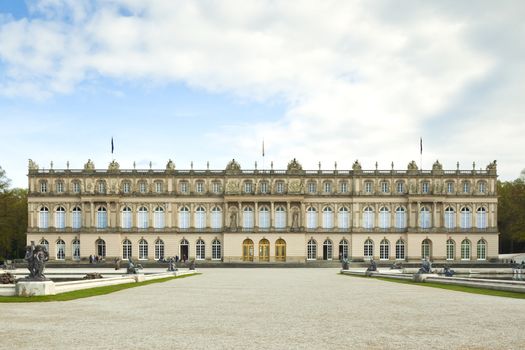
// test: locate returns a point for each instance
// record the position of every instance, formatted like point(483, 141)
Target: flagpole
point(263, 168)
point(421, 153)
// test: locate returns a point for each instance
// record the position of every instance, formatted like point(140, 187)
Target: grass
point(473, 290)
point(86, 293)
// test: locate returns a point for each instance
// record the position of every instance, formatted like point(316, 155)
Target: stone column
point(92, 214)
point(272, 214)
point(256, 215)
point(288, 213)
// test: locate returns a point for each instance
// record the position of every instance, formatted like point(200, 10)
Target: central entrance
point(264, 250)
point(280, 250)
point(247, 250)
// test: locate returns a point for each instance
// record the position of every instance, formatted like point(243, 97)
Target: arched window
point(465, 249)
point(200, 218)
point(216, 218)
point(450, 218)
point(45, 243)
point(60, 218)
point(101, 247)
point(142, 218)
point(466, 219)
point(280, 250)
point(200, 250)
point(264, 250)
point(102, 218)
point(328, 218)
point(43, 218)
point(368, 249)
point(216, 253)
point(384, 218)
point(126, 249)
point(481, 219)
point(76, 249)
point(401, 218)
point(61, 250)
point(451, 249)
point(264, 218)
point(247, 218)
point(77, 218)
point(400, 249)
point(368, 218)
point(343, 249)
point(426, 249)
point(159, 249)
point(143, 249)
point(424, 218)
point(327, 249)
point(247, 250)
point(184, 218)
point(343, 220)
point(482, 249)
point(311, 253)
point(384, 250)
point(126, 221)
point(311, 218)
point(158, 218)
point(280, 217)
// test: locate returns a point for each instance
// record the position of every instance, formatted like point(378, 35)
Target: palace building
point(258, 216)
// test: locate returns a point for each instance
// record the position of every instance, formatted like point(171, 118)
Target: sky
point(208, 81)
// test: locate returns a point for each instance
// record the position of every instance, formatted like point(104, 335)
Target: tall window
point(384, 218)
point(401, 220)
point(76, 249)
point(158, 187)
point(311, 250)
point(384, 187)
point(200, 253)
point(384, 249)
point(327, 249)
point(76, 187)
point(43, 218)
point(102, 218)
point(450, 187)
point(264, 250)
point(327, 187)
point(60, 187)
point(343, 249)
point(400, 187)
point(280, 250)
point(77, 218)
point(159, 249)
point(126, 187)
point(101, 247)
point(343, 187)
point(425, 187)
point(60, 218)
point(280, 187)
point(126, 249)
point(424, 218)
point(264, 218)
point(482, 249)
point(184, 218)
point(426, 249)
point(248, 187)
point(451, 249)
point(200, 218)
point(143, 249)
point(247, 250)
point(184, 187)
point(311, 218)
point(199, 187)
point(482, 187)
point(142, 218)
point(43, 186)
point(216, 187)
point(142, 187)
point(481, 220)
point(158, 218)
point(343, 221)
point(280, 217)
point(368, 218)
point(216, 218)
point(312, 188)
point(61, 250)
point(466, 187)
point(328, 218)
point(101, 187)
point(247, 218)
point(368, 186)
point(368, 249)
point(466, 220)
point(450, 218)
point(400, 249)
point(465, 249)
point(264, 187)
point(126, 221)
point(216, 250)
point(45, 243)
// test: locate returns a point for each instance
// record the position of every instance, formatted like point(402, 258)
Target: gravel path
point(269, 309)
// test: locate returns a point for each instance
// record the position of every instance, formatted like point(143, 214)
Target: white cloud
point(362, 80)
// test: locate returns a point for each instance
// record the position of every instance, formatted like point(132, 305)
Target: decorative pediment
point(233, 167)
point(294, 167)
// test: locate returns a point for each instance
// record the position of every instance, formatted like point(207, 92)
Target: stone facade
point(290, 215)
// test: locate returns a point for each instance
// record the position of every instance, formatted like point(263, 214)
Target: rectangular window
point(482, 187)
point(101, 187)
point(311, 187)
point(466, 187)
point(142, 187)
point(247, 187)
point(158, 187)
point(400, 187)
point(280, 187)
point(43, 187)
point(126, 188)
point(327, 187)
point(199, 187)
point(184, 187)
point(384, 187)
point(344, 187)
point(76, 187)
point(264, 187)
point(60, 187)
point(450, 187)
point(216, 187)
point(368, 187)
point(425, 187)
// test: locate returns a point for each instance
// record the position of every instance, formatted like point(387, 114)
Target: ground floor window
point(327, 250)
point(61, 250)
point(216, 249)
point(143, 249)
point(400, 249)
point(451, 249)
point(101, 247)
point(368, 249)
point(264, 250)
point(482, 249)
point(426, 249)
point(384, 250)
point(159, 249)
point(465, 249)
point(200, 250)
point(311, 250)
point(76, 249)
point(126, 249)
point(343, 249)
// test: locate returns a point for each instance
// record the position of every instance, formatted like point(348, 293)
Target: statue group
point(36, 257)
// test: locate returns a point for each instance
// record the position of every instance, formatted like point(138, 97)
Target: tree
point(13, 219)
point(4, 181)
point(511, 215)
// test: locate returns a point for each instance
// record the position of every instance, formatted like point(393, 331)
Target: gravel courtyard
point(269, 309)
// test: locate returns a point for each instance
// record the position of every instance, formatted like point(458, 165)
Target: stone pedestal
point(34, 288)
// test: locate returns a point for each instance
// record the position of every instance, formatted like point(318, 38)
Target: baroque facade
point(291, 215)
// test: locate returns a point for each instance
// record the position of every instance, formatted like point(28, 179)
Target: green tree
point(511, 215)
point(4, 181)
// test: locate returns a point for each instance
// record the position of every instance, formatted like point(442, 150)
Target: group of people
point(95, 259)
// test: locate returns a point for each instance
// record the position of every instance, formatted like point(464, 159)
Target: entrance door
point(264, 250)
point(327, 250)
point(247, 250)
point(280, 250)
point(184, 250)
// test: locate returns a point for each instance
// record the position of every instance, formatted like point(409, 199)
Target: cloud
point(359, 79)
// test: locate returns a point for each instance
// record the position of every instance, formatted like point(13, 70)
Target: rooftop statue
point(89, 166)
point(113, 166)
point(437, 166)
point(412, 165)
point(170, 165)
point(294, 167)
point(356, 166)
point(233, 167)
point(36, 257)
point(492, 166)
point(32, 165)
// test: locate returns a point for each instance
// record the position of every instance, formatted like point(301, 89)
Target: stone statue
point(356, 166)
point(294, 167)
point(426, 266)
point(192, 265)
point(233, 221)
point(89, 166)
point(171, 264)
point(133, 268)
point(170, 165)
point(233, 167)
point(447, 271)
point(437, 166)
point(372, 267)
point(396, 266)
point(412, 166)
point(345, 264)
point(36, 257)
point(113, 166)
point(32, 165)
point(295, 219)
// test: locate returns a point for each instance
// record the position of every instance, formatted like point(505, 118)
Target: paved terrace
point(269, 309)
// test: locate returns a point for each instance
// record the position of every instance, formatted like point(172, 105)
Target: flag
point(263, 148)
point(420, 145)
point(112, 146)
